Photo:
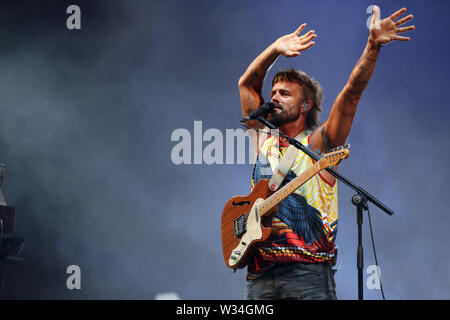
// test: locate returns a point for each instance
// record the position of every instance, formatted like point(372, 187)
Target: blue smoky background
point(86, 119)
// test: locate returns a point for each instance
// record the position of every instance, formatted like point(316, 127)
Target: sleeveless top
point(305, 225)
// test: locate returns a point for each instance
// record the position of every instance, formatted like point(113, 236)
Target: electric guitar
point(247, 220)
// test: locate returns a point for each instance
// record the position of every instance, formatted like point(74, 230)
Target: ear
point(306, 106)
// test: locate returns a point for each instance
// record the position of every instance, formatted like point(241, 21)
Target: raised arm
point(251, 82)
point(335, 130)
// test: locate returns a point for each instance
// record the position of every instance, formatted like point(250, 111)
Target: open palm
point(387, 30)
point(291, 45)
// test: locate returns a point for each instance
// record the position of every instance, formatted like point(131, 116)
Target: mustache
point(278, 106)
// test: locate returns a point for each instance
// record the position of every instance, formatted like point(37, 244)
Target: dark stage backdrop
point(86, 119)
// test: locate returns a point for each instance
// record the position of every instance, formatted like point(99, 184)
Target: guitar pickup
point(240, 226)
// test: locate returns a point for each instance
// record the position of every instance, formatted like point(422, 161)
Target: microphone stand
point(359, 199)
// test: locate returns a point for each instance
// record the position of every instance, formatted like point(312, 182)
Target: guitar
point(247, 220)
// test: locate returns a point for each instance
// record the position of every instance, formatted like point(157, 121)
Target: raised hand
point(387, 30)
point(291, 44)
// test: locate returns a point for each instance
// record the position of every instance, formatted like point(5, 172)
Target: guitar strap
point(286, 162)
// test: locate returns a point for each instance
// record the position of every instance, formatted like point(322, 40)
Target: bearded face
point(282, 115)
point(287, 97)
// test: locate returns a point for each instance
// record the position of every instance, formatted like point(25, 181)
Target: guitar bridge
point(240, 226)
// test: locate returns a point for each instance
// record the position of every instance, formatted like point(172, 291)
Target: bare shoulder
point(319, 139)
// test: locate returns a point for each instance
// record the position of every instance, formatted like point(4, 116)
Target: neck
point(292, 129)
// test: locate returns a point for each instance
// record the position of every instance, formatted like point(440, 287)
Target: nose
point(276, 98)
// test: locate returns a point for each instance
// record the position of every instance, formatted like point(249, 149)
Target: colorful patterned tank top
point(305, 225)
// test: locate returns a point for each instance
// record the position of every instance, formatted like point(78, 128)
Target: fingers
point(400, 38)
point(292, 44)
point(308, 37)
point(376, 14)
point(307, 46)
point(404, 20)
point(291, 54)
point(300, 29)
point(307, 34)
point(296, 50)
point(404, 29)
point(397, 14)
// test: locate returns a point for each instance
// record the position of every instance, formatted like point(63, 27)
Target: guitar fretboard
point(289, 188)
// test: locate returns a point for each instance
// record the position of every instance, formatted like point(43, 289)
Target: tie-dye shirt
point(305, 225)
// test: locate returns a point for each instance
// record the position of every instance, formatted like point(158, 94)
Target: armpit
point(326, 142)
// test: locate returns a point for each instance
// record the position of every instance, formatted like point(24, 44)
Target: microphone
point(264, 109)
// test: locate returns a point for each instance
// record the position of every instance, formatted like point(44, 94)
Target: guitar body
point(247, 221)
point(242, 228)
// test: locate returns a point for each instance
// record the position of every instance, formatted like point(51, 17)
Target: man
point(296, 262)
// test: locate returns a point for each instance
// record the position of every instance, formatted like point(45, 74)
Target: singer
point(296, 262)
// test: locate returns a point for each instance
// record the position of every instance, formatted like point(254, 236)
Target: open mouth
point(278, 107)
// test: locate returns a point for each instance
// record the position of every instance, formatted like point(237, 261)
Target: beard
point(286, 115)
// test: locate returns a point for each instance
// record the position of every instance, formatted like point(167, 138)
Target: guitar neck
point(289, 188)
